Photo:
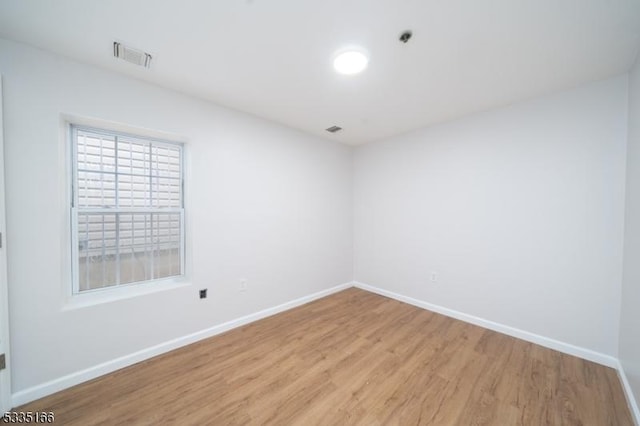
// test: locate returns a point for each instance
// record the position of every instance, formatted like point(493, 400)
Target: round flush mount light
point(350, 62)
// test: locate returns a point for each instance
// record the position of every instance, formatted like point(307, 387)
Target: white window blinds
point(128, 216)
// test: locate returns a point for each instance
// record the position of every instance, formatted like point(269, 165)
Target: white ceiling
point(273, 58)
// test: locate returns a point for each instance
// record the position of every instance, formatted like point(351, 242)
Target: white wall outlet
point(243, 285)
point(433, 277)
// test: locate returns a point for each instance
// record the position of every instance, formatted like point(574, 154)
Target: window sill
point(107, 295)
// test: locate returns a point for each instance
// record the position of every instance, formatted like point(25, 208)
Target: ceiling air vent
point(333, 129)
point(134, 56)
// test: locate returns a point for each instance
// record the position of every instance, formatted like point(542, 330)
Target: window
point(127, 211)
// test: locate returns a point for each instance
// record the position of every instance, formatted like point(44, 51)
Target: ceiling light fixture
point(350, 62)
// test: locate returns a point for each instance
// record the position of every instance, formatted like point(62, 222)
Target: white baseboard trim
point(547, 342)
point(628, 392)
point(56, 385)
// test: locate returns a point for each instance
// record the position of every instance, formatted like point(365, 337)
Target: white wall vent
point(134, 56)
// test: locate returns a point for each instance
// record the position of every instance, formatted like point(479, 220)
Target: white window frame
point(73, 131)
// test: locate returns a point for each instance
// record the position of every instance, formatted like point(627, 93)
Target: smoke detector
point(134, 56)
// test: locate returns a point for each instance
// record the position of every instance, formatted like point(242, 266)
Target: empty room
point(382, 212)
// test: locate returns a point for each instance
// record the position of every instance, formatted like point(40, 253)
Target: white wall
point(265, 203)
point(518, 210)
point(630, 311)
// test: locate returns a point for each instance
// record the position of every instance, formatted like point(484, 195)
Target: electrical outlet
point(433, 277)
point(203, 293)
point(243, 285)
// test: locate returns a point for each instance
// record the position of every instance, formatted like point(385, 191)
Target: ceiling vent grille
point(134, 56)
point(333, 129)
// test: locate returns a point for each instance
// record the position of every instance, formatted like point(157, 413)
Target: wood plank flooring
point(351, 358)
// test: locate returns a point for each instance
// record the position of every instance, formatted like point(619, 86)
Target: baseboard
point(628, 392)
point(566, 348)
point(56, 385)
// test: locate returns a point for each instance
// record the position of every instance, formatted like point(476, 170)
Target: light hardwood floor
point(351, 358)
